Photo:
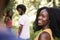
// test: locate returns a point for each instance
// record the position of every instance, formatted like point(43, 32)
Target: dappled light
point(32, 6)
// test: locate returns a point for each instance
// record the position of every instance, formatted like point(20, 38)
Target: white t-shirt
point(24, 20)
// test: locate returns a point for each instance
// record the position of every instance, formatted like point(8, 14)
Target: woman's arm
point(44, 36)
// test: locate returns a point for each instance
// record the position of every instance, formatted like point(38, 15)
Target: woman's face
point(10, 13)
point(43, 18)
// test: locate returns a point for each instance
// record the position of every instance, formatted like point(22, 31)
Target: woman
point(8, 19)
point(48, 21)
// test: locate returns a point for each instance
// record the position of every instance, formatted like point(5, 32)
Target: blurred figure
point(6, 35)
point(8, 19)
point(23, 31)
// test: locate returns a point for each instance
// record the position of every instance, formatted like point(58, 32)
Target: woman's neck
point(45, 27)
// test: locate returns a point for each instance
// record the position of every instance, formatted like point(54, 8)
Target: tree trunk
point(3, 4)
point(54, 3)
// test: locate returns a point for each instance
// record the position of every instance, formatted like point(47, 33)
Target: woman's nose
point(40, 17)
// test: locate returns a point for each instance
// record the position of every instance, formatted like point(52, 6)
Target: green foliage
point(48, 0)
point(11, 4)
point(34, 3)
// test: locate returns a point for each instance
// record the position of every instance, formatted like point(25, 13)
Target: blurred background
point(32, 6)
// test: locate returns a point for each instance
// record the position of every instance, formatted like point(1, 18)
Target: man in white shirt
point(23, 32)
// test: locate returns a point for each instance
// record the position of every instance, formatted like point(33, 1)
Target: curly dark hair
point(54, 17)
point(22, 7)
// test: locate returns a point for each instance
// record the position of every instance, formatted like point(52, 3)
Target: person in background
point(48, 21)
point(23, 30)
point(8, 19)
point(5, 33)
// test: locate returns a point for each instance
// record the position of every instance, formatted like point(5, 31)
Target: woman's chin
point(39, 24)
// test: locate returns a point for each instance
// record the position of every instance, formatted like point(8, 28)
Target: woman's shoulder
point(45, 35)
point(48, 30)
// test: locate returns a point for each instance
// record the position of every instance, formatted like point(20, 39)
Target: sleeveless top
point(9, 23)
point(46, 30)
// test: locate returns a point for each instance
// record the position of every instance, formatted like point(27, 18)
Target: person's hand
point(18, 34)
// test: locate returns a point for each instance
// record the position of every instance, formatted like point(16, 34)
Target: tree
point(54, 3)
point(3, 4)
point(11, 4)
